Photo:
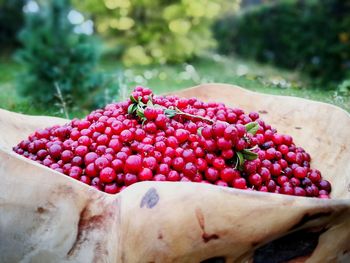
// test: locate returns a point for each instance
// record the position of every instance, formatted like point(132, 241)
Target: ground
point(162, 79)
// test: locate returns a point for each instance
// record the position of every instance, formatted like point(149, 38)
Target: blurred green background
point(65, 58)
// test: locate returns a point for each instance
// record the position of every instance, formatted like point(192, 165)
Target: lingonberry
point(204, 142)
point(111, 188)
point(240, 183)
point(227, 175)
point(255, 180)
point(219, 163)
point(300, 172)
point(133, 164)
point(101, 162)
point(173, 176)
point(130, 179)
point(55, 151)
point(107, 175)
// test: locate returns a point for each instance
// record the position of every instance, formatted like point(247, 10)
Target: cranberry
point(77, 161)
point(255, 180)
point(111, 188)
point(325, 185)
point(107, 175)
point(133, 164)
point(145, 174)
point(240, 183)
point(275, 169)
point(111, 149)
point(81, 150)
point(227, 175)
point(211, 174)
point(55, 151)
point(85, 179)
point(75, 172)
point(271, 186)
point(126, 136)
point(173, 176)
point(189, 170)
point(219, 163)
point(298, 191)
point(101, 162)
point(314, 176)
point(150, 113)
point(130, 179)
point(90, 158)
point(300, 172)
point(287, 190)
point(159, 177)
point(115, 144)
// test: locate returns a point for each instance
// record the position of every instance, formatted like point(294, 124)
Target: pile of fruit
point(167, 138)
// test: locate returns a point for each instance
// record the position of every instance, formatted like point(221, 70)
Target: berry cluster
point(167, 138)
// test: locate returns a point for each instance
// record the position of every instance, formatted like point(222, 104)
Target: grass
point(165, 78)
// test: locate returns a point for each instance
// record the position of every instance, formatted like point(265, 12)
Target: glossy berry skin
point(107, 175)
point(190, 170)
point(240, 183)
point(133, 164)
point(300, 172)
point(211, 174)
point(111, 148)
point(145, 174)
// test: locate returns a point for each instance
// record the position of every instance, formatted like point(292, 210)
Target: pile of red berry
point(166, 138)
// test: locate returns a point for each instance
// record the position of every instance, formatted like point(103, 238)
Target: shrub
point(310, 35)
point(156, 31)
point(54, 56)
point(11, 21)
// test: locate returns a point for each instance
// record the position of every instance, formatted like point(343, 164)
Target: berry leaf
point(133, 100)
point(252, 127)
point(140, 114)
point(132, 108)
point(249, 155)
point(170, 113)
point(199, 131)
point(240, 159)
point(149, 103)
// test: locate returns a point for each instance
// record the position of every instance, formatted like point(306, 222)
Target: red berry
point(255, 180)
point(219, 163)
point(145, 174)
point(227, 175)
point(150, 162)
point(240, 183)
point(181, 135)
point(211, 174)
point(111, 188)
point(189, 170)
point(150, 113)
point(173, 176)
point(300, 172)
point(275, 169)
point(55, 151)
point(90, 158)
point(101, 162)
point(66, 155)
point(130, 179)
point(81, 150)
point(133, 164)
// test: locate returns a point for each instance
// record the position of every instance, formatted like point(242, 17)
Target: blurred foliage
point(54, 57)
point(11, 21)
point(344, 87)
point(310, 35)
point(156, 31)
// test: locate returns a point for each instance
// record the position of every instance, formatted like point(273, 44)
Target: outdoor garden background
point(65, 58)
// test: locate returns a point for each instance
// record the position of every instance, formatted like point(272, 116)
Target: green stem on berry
point(173, 111)
point(137, 107)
